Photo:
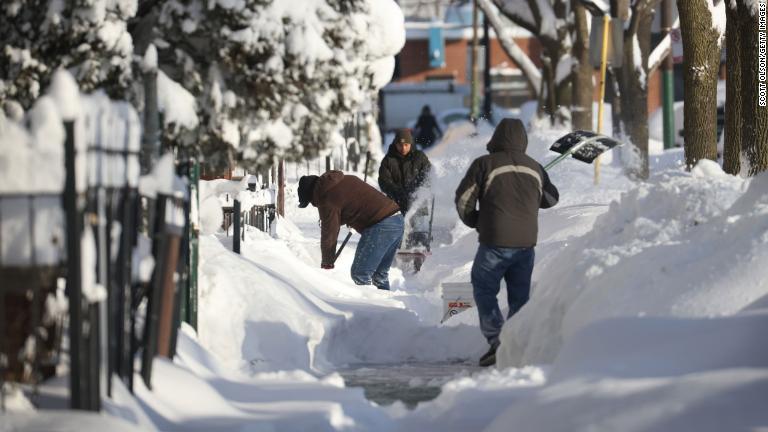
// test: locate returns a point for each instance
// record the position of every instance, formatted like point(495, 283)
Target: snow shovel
point(414, 257)
point(583, 145)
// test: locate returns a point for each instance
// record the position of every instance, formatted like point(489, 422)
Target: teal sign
point(436, 47)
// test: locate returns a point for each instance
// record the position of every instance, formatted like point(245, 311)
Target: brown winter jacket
point(346, 200)
point(510, 186)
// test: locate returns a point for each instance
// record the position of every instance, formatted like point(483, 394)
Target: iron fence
point(82, 240)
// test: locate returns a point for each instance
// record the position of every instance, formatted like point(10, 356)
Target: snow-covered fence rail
point(255, 207)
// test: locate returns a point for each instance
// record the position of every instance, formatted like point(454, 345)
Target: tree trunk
point(733, 95)
point(634, 85)
point(547, 102)
point(583, 86)
point(754, 132)
point(555, 98)
point(634, 113)
point(563, 52)
point(701, 61)
point(563, 98)
point(613, 96)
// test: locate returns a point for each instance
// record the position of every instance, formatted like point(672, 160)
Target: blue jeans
point(492, 263)
point(376, 251)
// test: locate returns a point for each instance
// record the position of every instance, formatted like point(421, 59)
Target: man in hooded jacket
point(509, 187)
point(346, 200)
point(403, 170)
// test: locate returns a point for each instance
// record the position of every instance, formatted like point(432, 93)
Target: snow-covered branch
point(530, 71)
point(519, 12)
point(661, 51)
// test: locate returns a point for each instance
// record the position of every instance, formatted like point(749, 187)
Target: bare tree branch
point(512, 10)
point(531, 73)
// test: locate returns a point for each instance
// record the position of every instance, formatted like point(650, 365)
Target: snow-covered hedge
point(274, 79)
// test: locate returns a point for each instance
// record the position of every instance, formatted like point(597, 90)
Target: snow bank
point(653, 374)
point(315, 318)
point(669, 247)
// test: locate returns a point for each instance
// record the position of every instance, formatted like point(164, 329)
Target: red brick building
point(413, 64)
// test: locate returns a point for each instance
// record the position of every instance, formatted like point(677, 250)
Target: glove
point(326, 266)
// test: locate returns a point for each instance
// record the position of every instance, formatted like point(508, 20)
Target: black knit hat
point(306, 187)
point(403, 136)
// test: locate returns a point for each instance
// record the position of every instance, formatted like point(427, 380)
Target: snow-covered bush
point(88, 37)
point(275, 78)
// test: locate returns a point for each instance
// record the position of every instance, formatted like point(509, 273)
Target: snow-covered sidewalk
point(648, 313)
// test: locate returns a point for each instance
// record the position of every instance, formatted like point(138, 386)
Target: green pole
point(191, 310)
point(668, 75)
point(669, 109)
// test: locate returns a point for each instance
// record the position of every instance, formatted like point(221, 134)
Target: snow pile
point(316, 318)
point(679, 246)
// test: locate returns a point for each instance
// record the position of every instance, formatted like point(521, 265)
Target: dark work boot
point(489, 358)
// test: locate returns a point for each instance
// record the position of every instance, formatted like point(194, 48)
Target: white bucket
point(457, 297)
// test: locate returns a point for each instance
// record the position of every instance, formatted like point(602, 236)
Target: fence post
point(124, 360)
point(154, 296)
point(194, 232)
point(94, 356)
point(165, 329)
point(77, 379)
point(236, 227)
point(281, 188)
point(3, 359)
point(150, 150)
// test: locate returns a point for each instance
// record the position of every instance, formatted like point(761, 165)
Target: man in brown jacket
point(346, 200)
point(510, 187)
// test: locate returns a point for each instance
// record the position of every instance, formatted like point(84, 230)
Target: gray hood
point(509, 135)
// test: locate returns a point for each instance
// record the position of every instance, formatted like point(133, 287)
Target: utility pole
point(473, 89)
point(600, 103)
point(668, 75)
point(487, 96)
